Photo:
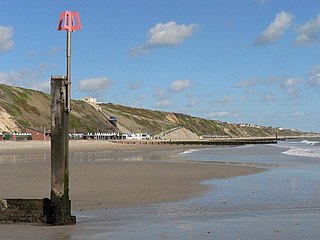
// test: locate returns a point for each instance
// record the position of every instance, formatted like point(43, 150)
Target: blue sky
point(241, 61)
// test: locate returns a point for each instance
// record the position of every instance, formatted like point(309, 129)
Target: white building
point(92, 101)
point(89, 100)
point(138, 136)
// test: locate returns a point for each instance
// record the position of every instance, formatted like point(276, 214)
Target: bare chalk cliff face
point(7, 122)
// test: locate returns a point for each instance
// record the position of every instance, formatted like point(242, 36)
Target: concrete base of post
point(22, 210)
point(36, 211)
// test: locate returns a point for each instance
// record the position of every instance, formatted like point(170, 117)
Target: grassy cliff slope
point(29, 108)
point(155, 122)
point(21, 108)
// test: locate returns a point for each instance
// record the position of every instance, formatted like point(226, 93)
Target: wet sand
point(101, 185)
point(134, 194)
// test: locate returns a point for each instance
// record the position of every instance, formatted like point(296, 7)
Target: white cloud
point(161, 98)
point(298, 114)
point(169, 34)
point(163, 103)
point(290, 86)
point(314, 81)
point(314, 77)
point(42, 86)
point(192, 102)
point(165, 35)
point(135, 85)
point(94, 86)
point(11, 77)
point(142, 96)
point(179, 85)
point(248, 83)
point(54, 50)
point(308, 33)
point(314, 70)
point(27, 77)
point(6, 42)
point(273, 80)
point(228, 99)
point(243, 98)
point(269, 97)
point(224, 114)
point(139, 50)
point(160, 94)
point(275, 29)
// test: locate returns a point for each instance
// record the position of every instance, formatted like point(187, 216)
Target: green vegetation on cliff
point(30, 108)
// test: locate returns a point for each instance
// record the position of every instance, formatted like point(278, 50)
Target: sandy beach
point(151, 192)
point(100, 185)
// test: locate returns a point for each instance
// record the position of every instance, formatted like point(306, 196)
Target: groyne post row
point(217, 142)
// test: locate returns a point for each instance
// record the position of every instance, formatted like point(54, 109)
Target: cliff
point(21, 108)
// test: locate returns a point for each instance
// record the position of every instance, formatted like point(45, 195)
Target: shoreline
point(103, 184)
point(10, 147)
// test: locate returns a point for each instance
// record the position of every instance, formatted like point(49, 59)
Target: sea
point(282, 202)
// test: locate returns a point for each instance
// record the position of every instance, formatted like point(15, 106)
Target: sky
point(239, 61)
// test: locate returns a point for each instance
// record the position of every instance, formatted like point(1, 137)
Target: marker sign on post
point(69, 21)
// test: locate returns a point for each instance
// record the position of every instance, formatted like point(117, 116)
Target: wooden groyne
point(216, 142)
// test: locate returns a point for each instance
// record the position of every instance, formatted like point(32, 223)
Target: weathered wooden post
point(60, 202)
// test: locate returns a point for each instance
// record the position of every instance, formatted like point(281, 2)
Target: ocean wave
point(312, 143)
point(303, 148)
point(303, 152)
point(189, 151)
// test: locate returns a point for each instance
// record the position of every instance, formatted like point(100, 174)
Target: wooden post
point(60, 203)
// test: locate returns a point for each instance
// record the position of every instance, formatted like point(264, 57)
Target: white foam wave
point(303, 152)
point(189, 151)
point(304, 148)
point(310, 142)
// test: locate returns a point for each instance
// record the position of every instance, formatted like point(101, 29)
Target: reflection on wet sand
point(281, 203)
point(24, 158)
point(90, 156)
point(244, 164)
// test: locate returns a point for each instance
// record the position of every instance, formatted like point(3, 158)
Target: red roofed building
point(38, 133)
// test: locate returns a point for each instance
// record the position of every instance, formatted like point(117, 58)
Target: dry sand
point(99, 185)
